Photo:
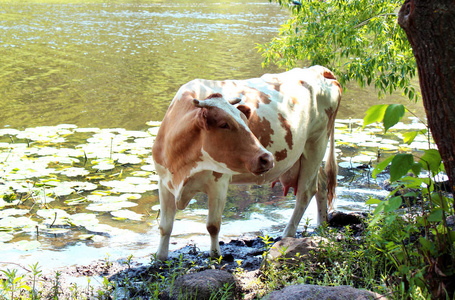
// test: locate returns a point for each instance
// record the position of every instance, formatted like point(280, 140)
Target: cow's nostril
point(266, 161)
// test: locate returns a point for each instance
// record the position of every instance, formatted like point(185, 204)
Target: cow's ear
point(201, 119)
point(245, 110)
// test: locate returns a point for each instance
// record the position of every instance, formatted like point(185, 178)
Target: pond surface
point(80, 80)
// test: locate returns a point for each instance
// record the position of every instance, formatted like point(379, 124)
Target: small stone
point(308, 291)
point(293, 250)
point(202, 285)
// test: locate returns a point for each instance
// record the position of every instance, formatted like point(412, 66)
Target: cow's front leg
point(217, 193)
point(167, 214)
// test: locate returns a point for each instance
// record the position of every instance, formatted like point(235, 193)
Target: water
point(118, 65)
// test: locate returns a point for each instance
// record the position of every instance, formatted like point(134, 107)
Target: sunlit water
point(118, 65)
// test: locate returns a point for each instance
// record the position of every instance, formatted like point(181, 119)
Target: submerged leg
point(167, 214)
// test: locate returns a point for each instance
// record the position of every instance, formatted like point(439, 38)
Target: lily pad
point(126, 214)
point(26, 245)
point(53, 216)
point(73, 172)
point(55, 230)
point(83, 219)
point(103, 164)
point(153, 123)
point(126, 158)
point(12, 212)
point(100, 207)
point(84, 186)
point(5, 237)
point(19, 222)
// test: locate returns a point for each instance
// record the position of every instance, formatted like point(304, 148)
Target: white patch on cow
point(229, 108)
point(208, 163)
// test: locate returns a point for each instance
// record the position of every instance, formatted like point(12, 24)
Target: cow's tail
point(331, 169)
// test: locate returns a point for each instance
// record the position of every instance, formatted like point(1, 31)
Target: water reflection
point(119, 64)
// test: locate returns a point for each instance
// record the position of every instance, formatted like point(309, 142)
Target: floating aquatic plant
point(61, 179)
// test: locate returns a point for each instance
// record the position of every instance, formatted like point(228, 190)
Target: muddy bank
point(244, 254)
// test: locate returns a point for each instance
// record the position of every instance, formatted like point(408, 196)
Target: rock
point(293, 250)
point(202, 285)
point(308, 291)
point(341, 219)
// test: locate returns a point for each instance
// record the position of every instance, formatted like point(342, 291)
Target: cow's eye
point(224, 126)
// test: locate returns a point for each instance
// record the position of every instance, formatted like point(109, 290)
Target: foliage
point(357, 39)
point(418, 241)
point(343, 260)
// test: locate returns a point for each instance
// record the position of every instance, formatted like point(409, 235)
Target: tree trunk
point(430, 28)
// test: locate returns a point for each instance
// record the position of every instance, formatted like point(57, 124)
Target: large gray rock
point(293, 251)
point(202, 285)
point(316, 292)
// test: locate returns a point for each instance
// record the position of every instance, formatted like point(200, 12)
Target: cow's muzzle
point(263, 163)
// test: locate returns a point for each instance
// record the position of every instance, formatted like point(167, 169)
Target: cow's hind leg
point(305, 192)
point(167, 215)
point(217, 199)
point(307, 184)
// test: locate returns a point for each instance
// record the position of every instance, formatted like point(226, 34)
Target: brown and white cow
point(268, 129)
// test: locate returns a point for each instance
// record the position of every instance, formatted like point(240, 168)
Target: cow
point(271, 129)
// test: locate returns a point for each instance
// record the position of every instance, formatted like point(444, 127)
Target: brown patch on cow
point(170, 186)
point(230, 142)
point(215, 95)
point(294, 100)
point(261, 128)
point(328, 74)
point(217, 175)
point(178, 148)
point(213, 230)
point(264, 98)
point(246, 110)
point(255, 96)
point(276, 86)
point(280, 155)
point(287, 127)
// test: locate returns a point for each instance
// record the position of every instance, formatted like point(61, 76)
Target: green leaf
point(426, 244)
point(393, 115)
point(379, 208)
point(374, 114)
point(416, 168)
point(381, 166)
point(401, 164)
point(372, 201)
point(431, 160)
point(412, 182)
point(409, 136)
point(435, 215)
point(452, 235)
point(393, 204)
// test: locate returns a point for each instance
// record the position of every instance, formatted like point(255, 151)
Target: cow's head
point(227, 138)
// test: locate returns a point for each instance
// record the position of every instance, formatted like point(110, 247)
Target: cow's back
point(287, 110)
